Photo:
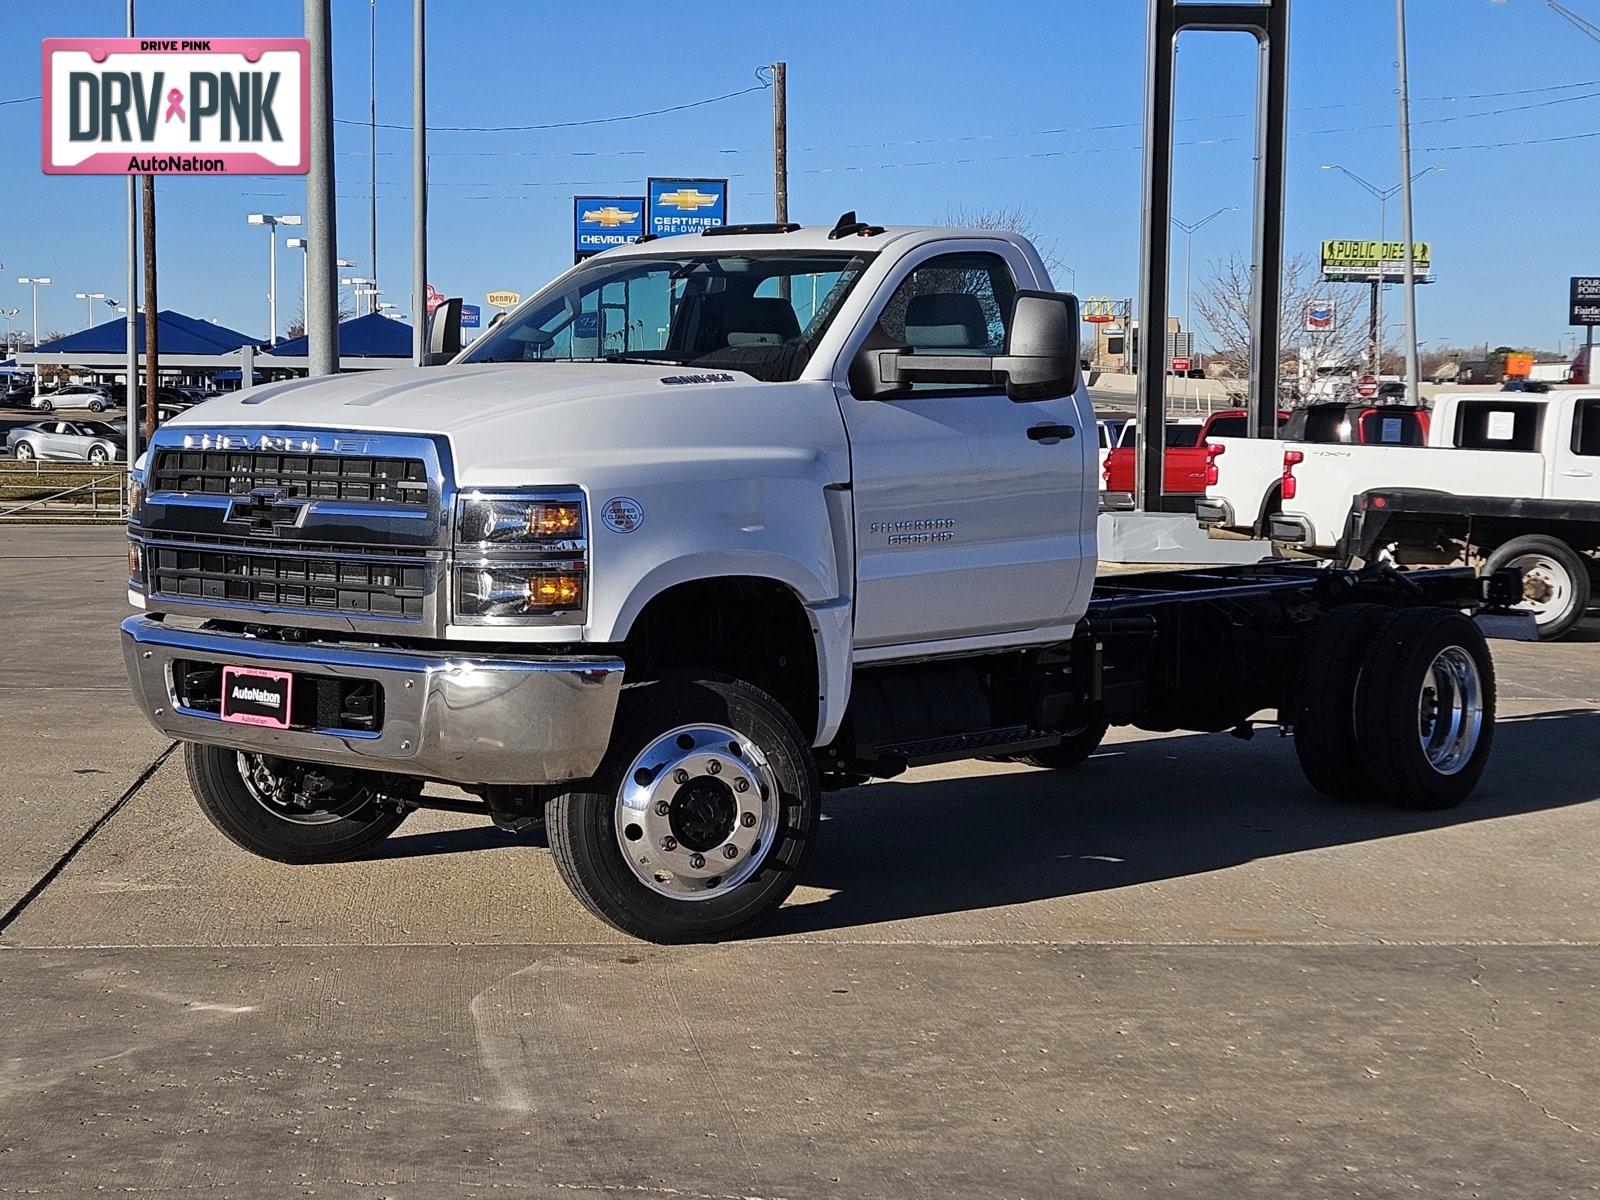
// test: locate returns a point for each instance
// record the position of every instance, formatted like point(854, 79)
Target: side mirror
point(1040, 362)
point(444, 331)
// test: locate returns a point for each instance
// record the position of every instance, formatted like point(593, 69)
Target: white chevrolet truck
point(705, 527)
point(1500, 479)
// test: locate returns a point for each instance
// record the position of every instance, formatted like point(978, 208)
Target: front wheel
point(98, 456)
point(288, 811)
point(701, 817)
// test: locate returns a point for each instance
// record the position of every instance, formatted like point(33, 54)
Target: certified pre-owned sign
point(176, 106)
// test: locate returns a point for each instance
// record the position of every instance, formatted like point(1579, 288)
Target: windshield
point(761, 313)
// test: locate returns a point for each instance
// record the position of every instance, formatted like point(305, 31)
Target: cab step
point(1013, 739)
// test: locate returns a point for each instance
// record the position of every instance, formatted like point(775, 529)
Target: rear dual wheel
point(1396, 706)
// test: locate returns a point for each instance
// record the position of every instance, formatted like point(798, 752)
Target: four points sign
point(169, 106)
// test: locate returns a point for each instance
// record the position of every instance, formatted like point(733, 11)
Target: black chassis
point(1441, 527)
point(1202, 650)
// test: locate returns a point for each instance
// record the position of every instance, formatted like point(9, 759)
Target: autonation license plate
point(255, 697)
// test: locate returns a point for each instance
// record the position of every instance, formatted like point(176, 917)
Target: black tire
point(218, 784)
point(99, 456)
point(1390, 725)
point(1071, 751)
point(581, 824)
point(1557, 623)
point(47, 406)
point(22, 452)
point(1324, 700)
point(97, 406)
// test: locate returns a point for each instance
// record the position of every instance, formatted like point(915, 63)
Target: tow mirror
point(1040, 362)
point(444, 331)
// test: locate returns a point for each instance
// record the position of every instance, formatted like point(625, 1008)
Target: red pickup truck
point(1184, 466)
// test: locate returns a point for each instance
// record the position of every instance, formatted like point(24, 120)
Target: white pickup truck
point(1506, 480)
point(706, 526)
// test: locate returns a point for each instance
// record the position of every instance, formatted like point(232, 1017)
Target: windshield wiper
point(634, 356)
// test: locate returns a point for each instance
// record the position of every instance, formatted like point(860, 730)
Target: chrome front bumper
point(468, 719)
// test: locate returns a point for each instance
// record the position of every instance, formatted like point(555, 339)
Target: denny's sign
point(176, 106)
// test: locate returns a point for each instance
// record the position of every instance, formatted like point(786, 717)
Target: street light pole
point(1383, 196)
point(304, 246)
point(419, 183)
point(1188, 256)
point(272, 223)
point(88, 299)
point(35, 282)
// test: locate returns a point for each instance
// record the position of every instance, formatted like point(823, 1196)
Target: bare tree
point(1222, 304)
point(1010, 218)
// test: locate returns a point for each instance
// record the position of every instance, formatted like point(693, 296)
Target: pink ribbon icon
point(174, 106)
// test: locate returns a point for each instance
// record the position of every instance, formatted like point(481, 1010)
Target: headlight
point(497, 521)
point(520, 559)
point(530, 591)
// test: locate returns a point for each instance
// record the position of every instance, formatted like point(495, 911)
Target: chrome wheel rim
point(280, 797)
point(1450, 710)
point(1546, 587)
point(697, 812)
point(23, 452)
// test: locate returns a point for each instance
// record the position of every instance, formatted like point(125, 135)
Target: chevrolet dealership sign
point(176, 106)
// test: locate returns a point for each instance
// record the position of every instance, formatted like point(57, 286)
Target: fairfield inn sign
point(176, 106)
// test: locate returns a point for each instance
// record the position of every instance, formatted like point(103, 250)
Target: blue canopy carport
point(364, 343)
point(185, 345)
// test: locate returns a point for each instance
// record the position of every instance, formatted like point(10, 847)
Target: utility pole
point(372, 131)
point(780, 141)
point(152, 369)
point(419, 183)
point(322, 276)
point(132, 393)
point(1412, 372)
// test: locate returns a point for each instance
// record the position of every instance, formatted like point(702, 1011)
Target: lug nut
point(697, 861)
point(714, 767)
point(669, 843)
point(748, 820)
point(730, 851)
point(680, 777)
point(662, 808)
point(741, 785)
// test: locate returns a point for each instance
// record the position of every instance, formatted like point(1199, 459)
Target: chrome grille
point(293, 476)
point(342, 530)
point(334, 585)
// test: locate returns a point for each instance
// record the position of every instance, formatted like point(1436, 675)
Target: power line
point(654, 112)
point(1586, 27)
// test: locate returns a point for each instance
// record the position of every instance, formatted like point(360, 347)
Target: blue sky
point(902, 111)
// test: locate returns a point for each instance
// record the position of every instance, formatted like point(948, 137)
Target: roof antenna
point(847, 224)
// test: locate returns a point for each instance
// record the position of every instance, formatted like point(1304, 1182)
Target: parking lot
point(1175, 970)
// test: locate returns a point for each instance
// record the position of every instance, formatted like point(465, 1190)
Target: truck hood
point(509, 424)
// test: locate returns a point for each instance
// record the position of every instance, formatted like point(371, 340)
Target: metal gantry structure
point(1268, 22)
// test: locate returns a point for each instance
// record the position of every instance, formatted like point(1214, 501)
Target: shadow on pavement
point(1135, 813)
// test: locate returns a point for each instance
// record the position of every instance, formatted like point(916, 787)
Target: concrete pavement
point(1173, 969)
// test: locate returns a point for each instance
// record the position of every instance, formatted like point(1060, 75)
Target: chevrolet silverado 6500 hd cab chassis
point(709, 525)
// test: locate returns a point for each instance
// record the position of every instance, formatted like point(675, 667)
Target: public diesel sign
point(172, 106)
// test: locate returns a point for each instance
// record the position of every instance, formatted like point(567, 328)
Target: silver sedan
point(73, 441)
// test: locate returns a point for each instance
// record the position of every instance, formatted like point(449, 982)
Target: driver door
point(974, 513)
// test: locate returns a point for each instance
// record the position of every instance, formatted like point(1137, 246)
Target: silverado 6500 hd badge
point(622, 514)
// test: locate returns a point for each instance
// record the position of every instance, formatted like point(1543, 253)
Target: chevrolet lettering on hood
point(276, 443)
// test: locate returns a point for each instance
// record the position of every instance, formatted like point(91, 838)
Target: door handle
point(1579, 474)
point(1051, 434)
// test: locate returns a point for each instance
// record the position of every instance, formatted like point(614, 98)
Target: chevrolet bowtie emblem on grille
point(610, 216)
point(264, 512)
point(692, 199)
